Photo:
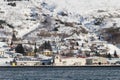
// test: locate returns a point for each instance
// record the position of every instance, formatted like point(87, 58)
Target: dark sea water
point(60, 73)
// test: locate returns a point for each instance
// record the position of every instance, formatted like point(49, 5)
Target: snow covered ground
point(113, 48)
point(77, 10)
point(27, 15)
point(81, 6)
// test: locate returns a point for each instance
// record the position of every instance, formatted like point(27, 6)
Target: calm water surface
point(61, 73)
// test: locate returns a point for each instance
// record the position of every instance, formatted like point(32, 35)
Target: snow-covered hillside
point(83, 11)
point(68, 17)
point(81, 6)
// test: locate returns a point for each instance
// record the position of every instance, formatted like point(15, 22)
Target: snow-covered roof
point(2, 44)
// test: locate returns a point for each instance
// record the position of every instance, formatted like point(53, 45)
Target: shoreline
point(58, 66)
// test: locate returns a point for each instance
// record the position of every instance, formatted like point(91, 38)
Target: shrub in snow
point(55, 29)
point(115, 54)
point(98, 21)
point(12, 4)
point(19, 49)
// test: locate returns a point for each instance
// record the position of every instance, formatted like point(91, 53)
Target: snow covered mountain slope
point(81, 6)
point(25, 13)
point(42, 17)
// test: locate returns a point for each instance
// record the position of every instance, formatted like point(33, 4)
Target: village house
point(55, 47)
point(114, 61)
point(96, 61)
point(98, 42)
point(2, 53)
point(99, 47)
point(47, 52)
point(26, 61)
point(85, 51)
point(69, 61)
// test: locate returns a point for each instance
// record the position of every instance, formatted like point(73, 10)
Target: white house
point(96, 61)
point(69, 61)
